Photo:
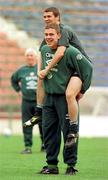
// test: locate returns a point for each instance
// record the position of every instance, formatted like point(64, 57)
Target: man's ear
point(59, 36)
point(57, 19)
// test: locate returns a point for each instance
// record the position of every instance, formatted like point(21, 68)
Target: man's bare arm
point(57, 57)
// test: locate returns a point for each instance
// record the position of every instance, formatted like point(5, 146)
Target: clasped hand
point(42, 73)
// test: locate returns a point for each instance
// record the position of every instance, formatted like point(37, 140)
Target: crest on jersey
point(49, 75)
point(32, 74)
point(79, 56)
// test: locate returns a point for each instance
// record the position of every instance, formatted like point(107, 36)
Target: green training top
point(25, 80)
point(68, 37)
point(59, 76)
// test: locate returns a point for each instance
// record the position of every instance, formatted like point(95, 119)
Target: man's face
point(51, 38)
point(50, 18)
point(30, 58)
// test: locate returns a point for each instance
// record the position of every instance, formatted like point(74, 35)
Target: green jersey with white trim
point(25, 80)
point(73, 61)
point(68, 37)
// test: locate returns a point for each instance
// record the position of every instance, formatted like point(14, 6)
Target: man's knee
point(70, 94)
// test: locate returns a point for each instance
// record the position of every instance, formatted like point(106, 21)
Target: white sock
point(73, 122)
point(39, 105)
point(28, 123)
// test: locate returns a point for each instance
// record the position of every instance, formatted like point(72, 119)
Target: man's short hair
point(54, 10)
point(53, 26)
point(30, 50)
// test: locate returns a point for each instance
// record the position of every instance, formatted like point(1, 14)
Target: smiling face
point(30, 58)
point(50, 18)
point(52, 37)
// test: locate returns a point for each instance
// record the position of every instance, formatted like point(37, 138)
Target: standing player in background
point(24, 82)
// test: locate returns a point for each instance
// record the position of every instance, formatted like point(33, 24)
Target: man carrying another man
point(55, 108)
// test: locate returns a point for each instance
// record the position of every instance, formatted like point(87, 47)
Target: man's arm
point(15, 82)
point(85, 70)
point(82, 66)
point(57, 57)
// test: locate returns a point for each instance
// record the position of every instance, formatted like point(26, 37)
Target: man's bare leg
point(39, 98)
point(73, 89)
point(40, 93)
point(38, 111)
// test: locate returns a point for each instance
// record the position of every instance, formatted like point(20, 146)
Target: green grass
point(92, 160)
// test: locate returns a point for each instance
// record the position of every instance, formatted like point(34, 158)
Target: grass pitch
point(92, 160)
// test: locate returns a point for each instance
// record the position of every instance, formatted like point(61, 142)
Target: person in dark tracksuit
point(55, 109)
point(24, 81)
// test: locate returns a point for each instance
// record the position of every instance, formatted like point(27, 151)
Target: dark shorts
point(76, 74)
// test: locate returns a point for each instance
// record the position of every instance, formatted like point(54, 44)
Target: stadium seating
point(89, 19)
point(11, 57)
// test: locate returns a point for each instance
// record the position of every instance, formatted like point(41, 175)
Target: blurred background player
point(24, 81)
